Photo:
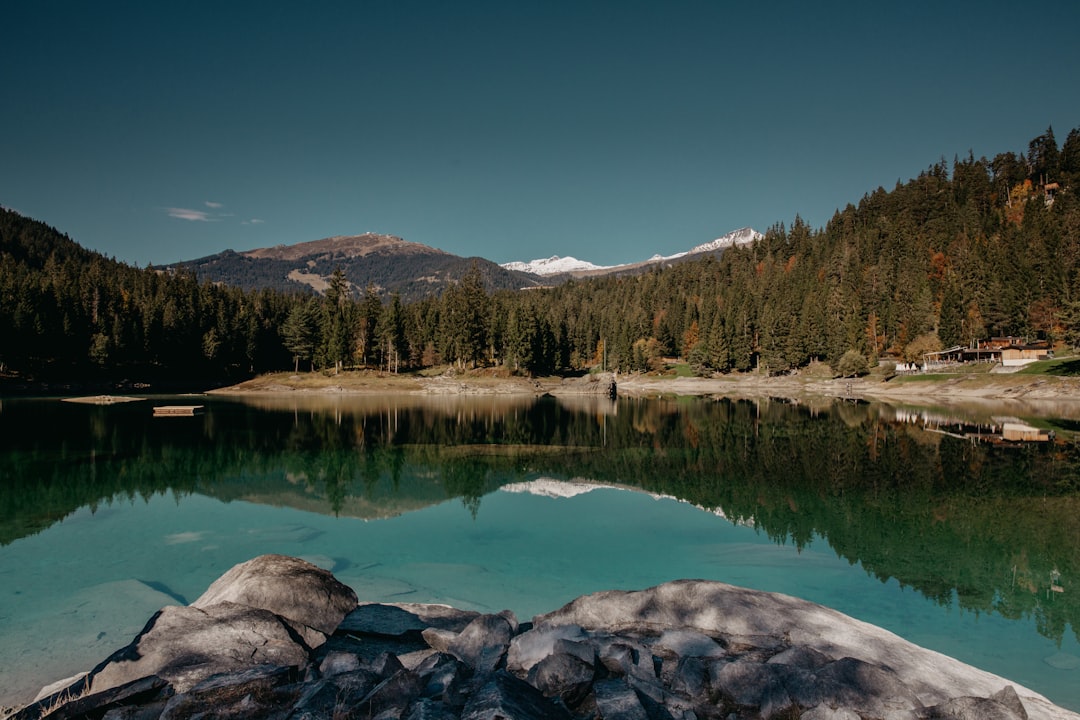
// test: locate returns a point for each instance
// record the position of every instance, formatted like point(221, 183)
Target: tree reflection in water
point(908, 494)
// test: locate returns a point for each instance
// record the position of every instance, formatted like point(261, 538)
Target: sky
point(156, 132)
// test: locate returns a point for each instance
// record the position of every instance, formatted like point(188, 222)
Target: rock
point(445, 679)
point(687, 677)
point(615, 700)
point(142, 690)
point(483, 643)
point(565, 676)
point(393, 695)
point(869, 690)
point(721, 610)
point(801, 656)
point(425, 709)
point(185, 645)
point(285, 586)
point(505, 696)
point(246, 693)
point(439, 640)
point(822, 712)
point(754, 685)
point(338, 662)
point(531, 647)
point(333, 696)
point(687, 643)
point(1007, 696)
point(972, 708)
point(397, 619)
point(385, 665)
point(682, 651)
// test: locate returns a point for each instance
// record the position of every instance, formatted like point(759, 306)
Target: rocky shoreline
point(277, 637)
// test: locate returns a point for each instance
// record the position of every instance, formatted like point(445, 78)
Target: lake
point(958, 529)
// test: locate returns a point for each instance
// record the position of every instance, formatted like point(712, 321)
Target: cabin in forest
point(1019, 355)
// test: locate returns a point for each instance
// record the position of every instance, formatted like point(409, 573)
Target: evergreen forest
point(967, 250)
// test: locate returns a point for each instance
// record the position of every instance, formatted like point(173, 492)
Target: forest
point(963, 252)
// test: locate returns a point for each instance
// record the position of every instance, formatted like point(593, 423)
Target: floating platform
point(177, 410)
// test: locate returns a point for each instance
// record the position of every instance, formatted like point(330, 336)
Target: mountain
point(388, 263)
point(555, 265)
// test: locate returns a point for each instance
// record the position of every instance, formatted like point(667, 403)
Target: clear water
point(421, 502)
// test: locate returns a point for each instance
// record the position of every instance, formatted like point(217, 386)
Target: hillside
point(389, 264)
point(961, 253)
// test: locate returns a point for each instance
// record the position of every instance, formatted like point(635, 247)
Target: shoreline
point(936, 390)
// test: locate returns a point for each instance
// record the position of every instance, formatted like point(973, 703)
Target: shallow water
point(108, 515)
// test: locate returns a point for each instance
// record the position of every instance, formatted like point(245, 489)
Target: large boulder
point(753, 618)
point(186, 645)
point(269, 611)
point(286, 586)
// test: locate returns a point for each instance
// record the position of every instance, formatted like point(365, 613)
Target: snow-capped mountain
point(553, 265)
point(556, 265)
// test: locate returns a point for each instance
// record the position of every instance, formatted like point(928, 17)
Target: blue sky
point(157, 132)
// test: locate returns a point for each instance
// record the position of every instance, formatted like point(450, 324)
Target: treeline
point(70, 314)
point(986, 248)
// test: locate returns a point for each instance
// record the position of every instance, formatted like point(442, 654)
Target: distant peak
point(553, 265)
point(343, 245)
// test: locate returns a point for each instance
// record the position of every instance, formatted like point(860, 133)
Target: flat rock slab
point(717, 609)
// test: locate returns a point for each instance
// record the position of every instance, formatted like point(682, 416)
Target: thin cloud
point(214, 205)
point(188, 214)
point(253, 221)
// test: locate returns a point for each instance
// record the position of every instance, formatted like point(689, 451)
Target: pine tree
point(300, 332)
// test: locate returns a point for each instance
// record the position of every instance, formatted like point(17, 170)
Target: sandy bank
point(915, 389)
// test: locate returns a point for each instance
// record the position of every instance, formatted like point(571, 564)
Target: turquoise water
point(87, 579)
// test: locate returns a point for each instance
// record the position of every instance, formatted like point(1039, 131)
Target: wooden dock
point(177, 410)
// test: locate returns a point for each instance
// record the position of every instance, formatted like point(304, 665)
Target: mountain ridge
point(390, 264)
point(555, 265)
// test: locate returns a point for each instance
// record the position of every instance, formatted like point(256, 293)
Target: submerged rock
point(688, 649)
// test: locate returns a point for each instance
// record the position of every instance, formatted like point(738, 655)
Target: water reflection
point(910, 494)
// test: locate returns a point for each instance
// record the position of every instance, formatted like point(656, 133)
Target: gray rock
point(531, 647)
point(397, 619)
point(635, 660)
point(1007, 696)
point(753, 685)
point(338, 662)
point(445, 678)
point(185, 645)
point(439, 640)
point(483, 644)
point(143, 690)
point(821, 712)
point(424, 709)
point(333, 697)
point(246, 693)
point(972, 708)
point(285, 586)
point(721, 610)
point(567, 677)
point(508, 698)
point(615, 700)
point(802, 657)
point(687, 643)
point(687, 677)
point(867, 689)
point(384, 665)
point(392, 696)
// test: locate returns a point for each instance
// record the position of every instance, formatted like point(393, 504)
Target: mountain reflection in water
point(945, 502)
point(990, 526)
